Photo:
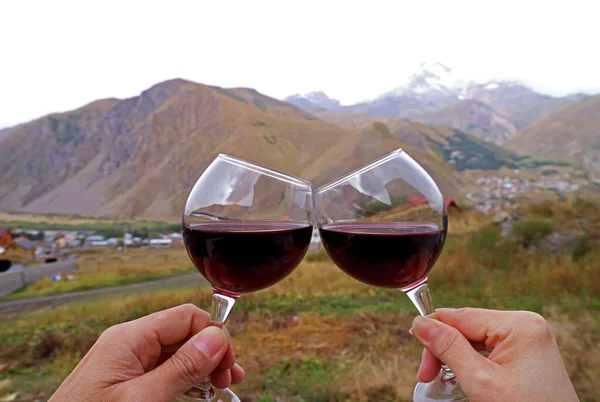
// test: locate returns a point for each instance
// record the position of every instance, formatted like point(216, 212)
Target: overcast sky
point(58, 55)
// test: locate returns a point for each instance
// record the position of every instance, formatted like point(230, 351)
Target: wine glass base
point(439, 390)
point(221, 395)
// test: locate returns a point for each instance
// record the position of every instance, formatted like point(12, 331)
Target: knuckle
point(444, 345)
point(464, 312)
point(190, 307)
point(112, 332)
point(483, 379)
point(537, 325)
point(185, 367)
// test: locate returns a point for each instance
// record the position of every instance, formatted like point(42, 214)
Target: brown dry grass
point(54, 219)
point(98, 268)
point(321, 336)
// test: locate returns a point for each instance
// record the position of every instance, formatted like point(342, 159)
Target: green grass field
point(321, 336)
point(100, 268)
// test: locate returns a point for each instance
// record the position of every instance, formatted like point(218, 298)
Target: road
point(189, 280)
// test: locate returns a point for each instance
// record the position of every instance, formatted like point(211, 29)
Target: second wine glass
point(385, 224)
point(245, 228)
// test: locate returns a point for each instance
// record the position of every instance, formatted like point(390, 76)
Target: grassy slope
point(565, 135)
point(349, 341)
point(105, 268)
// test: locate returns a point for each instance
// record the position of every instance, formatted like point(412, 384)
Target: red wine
point(391, 255)
point(245, 256)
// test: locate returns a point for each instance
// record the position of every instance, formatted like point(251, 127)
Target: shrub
point(578, 247)
point(484, 241)
point(529, 231)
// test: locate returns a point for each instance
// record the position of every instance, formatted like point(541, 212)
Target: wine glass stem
point(421, 298)
point(221, 307)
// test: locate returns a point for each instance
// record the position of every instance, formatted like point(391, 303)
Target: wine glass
point(245, 228)
point(385, 224)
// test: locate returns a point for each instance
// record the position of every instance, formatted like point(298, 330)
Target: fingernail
point(425, 328)
point(210, 341)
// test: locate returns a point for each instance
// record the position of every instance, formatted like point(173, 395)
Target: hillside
point(475, 118)
point(139, 157)
point(571, 134)
point(455, 147)
point(517, 102)
point(436, 94)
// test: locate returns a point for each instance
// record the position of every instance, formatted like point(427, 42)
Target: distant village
point(497, 193)
point(26, 245)
point(492, 194)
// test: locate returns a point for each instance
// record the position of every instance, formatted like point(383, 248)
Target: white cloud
point(59, 55)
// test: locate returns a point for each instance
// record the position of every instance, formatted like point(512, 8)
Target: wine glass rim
point(276, 174)
point(360, 170)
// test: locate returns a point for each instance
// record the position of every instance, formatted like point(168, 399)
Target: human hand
point(154, 358)
point(524, 363)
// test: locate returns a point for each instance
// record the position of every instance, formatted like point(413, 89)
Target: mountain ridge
point(571, 134)
point(435, 87)
point(140, 156)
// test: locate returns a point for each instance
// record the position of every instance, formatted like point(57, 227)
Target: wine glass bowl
point(385, 224)
point(245, 228)
point(242, 257)
point(389, 255)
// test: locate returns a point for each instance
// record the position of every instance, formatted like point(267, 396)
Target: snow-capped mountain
point(438, 94)
point(316, 99)
point(432, 78)
point(432, 87)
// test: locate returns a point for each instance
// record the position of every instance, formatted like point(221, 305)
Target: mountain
point(452, 146)
point(516, 101)
point(139, 157)
point(436, 94)
point(475, 118)
point(431, 87)
point(5, 132)
point(571, 134)
point(460, 150)
point(317, 100)
point(430, 82)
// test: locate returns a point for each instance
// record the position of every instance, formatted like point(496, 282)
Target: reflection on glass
point(245, 228)
point(385, 225)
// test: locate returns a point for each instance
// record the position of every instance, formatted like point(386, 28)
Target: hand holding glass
point(245, 227)
point(385, 225)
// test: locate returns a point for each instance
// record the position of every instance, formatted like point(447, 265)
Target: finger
point(147, 336)
point(430, 367)
point(195, 360)
point(227, 362)
point(229, 358)
point(221, 378)
point(475, 324)
point(175, 324)
point(450, 346)
point(237, 374)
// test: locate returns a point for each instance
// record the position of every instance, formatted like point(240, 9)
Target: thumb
point(450, 346)
point(193, 362)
